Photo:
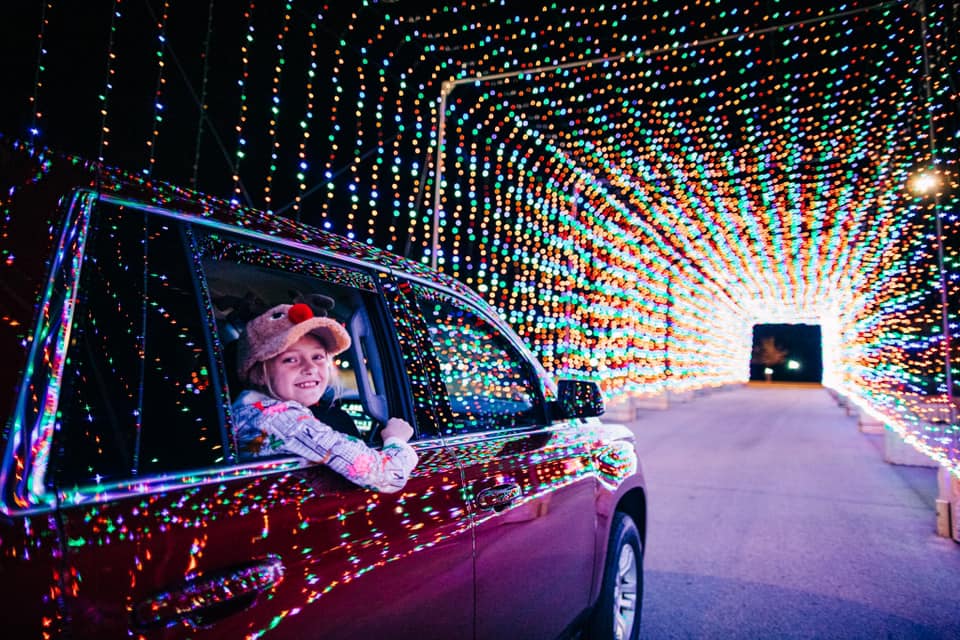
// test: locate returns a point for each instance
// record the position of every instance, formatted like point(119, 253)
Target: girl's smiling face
point(300, 373)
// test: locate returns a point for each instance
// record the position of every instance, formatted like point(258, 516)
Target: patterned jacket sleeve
point(267, 426)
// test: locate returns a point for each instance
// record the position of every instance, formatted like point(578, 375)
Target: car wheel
point(617, 613)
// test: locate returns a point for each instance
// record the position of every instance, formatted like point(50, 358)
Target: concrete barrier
point(868, 423)
point(848, 406)
point(955, 507)
point(948, 504)
point(679, 396)
point(896, 451)
point(652, 401)
point(946, 507)
point(619, 409)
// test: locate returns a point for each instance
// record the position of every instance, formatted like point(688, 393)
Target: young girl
point(286, 355)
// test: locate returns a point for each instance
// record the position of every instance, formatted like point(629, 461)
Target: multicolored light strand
point(115, 16)
point(36, 114)
point(158, 105)
point(275, 105)
point(247, 42)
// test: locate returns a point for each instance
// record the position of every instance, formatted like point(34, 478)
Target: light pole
point(930, 183)
point(445, 89)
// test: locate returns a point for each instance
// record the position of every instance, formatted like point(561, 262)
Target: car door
point(169, 531)
point(401, 564)
point(529, 483)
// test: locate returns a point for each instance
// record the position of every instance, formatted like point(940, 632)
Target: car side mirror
point(578, 399)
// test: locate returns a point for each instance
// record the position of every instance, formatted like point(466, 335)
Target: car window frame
point(34, 435)
point(31, 426)
point(173, 338)
point(382, 326)
point(31, 495)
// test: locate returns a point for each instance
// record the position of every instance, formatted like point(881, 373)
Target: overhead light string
point(104, 97)
point(302, 161)
point(35, 113)
point(202, 116)
point(275, 106)
point(158, 91)
point(240, 154)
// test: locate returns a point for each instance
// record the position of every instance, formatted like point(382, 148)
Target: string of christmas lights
point(239, 154)
point(158, 105)
point(35, 112)
point(275, 104)
point(303, 163)
point(115, 16)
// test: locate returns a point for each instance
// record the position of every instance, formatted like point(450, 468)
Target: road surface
point(772, 516)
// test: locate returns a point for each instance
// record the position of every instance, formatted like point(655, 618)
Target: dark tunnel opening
point(787, 352)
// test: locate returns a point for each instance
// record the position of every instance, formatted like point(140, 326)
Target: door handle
point(499, 497)
point(208, 598)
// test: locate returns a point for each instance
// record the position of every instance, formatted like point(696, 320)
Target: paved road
point(772, 516)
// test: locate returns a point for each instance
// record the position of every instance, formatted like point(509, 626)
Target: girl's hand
point(397, 428)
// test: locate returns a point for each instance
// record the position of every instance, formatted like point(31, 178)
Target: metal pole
point(944, 313)
point(944, 298)
point(445, 90)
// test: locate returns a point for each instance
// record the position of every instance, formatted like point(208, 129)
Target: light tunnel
point(714, 168)
point(634, 218)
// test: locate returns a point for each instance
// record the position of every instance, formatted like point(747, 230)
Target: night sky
point(802, 342)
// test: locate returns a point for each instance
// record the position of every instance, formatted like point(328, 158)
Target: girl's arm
point(289, 427)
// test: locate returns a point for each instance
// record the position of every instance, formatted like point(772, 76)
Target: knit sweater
point(268, 426)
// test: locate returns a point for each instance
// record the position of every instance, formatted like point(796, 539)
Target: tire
point(616, 615)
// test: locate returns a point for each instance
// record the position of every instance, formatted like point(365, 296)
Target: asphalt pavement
point(772, 516)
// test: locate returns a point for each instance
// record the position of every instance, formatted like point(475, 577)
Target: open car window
point(243, 280)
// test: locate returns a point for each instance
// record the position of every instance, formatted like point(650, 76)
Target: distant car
point(128, 510)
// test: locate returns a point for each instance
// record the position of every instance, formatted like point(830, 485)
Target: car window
point(136, 395)
point(488, 382)
point(243, 279)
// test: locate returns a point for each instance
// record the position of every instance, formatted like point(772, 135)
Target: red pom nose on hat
point(299, 312)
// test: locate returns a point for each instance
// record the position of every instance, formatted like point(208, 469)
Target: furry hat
point(273, 331)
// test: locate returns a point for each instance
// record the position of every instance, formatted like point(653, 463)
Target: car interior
point(240, 292)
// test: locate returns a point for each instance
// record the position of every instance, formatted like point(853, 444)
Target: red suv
point(128, 510)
